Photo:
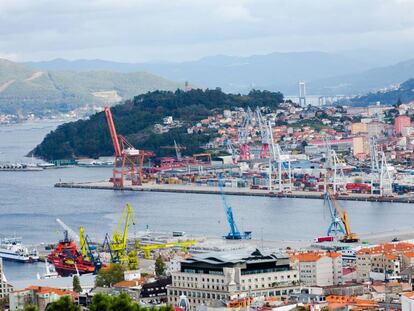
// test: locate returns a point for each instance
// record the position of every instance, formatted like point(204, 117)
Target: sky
point(181, 30)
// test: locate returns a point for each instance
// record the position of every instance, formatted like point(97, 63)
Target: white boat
point(19, 167)
point(13, 250)
point(50, 273)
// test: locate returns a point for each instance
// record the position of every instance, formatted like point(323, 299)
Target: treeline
point(135, 120)
point(101, 302)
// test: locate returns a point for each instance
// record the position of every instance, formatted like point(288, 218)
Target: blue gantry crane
point(339, 220)
point(234, 233)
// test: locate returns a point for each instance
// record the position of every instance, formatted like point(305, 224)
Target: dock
point(196, 189)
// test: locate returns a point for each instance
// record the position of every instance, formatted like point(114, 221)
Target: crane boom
point(229, 211)
point(72, 234)
point(112, 131)
point(234, 233)
point(340, 220)
point(118, 243)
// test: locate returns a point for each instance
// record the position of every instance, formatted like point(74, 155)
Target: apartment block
point(319, 268)
point(400, 123)
point(39, 296)
point(385, 258)
point(214, 278)
point(5, 287)
point(359, 128)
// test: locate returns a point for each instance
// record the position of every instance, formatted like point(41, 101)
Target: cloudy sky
point(176, 30)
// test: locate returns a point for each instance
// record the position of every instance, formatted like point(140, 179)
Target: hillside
point(26, 89)
point(364, 82)
point(274, 71)
point(405, 94)
point(135, 120)
point(325, 73)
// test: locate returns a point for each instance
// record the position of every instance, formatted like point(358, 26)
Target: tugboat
point(68, 260)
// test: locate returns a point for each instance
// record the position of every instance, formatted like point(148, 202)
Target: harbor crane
point(117, 244)
point(231, 150)
point(128, 159)
point(380, 174)
point(177, 149)
point(334, 168)
point(71, 233)
point(234, 233)
point(283, 162)
point(243, 133)
point(184, 245)
point(339, 220)
point(264, 134)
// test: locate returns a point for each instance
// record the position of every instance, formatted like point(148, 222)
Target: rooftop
point(236, 256)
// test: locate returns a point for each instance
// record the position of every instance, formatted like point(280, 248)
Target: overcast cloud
point(175, 30)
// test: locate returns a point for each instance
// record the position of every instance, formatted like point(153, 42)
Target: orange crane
point(128, 160)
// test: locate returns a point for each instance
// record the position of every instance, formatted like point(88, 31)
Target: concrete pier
point(106, 185)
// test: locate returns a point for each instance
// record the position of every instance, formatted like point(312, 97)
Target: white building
point(216, 278)
point(407, 301)
point(5, 287)
point(168, 120)
point(319, 268)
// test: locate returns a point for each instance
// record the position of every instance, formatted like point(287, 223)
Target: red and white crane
point(128, 160)
point(264, 134)
point(243, 133)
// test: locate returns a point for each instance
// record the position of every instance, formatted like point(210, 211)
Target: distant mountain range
point(324, 73)
point(62, 85)
point(404, 93)
point(366, 81)
point(24, 88)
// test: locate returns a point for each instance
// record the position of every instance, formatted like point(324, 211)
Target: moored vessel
point(68, 260)
point(12, 249)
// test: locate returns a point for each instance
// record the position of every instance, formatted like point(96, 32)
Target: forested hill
point(405, 94)
point(135, 120)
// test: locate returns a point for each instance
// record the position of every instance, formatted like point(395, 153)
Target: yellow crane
point(339, 220)
point(117, 245)
point(88, 251)
point(149, 247)
point(83, 244)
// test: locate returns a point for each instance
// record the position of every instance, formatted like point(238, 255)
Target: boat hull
point(71, 270)
point(18, 258)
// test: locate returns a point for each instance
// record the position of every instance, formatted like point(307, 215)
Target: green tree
point(123, 302)
point(109, 276)
point(159, 266)
point(64, 303)
point(31, 308)
point(76, 284)
point(101, 302)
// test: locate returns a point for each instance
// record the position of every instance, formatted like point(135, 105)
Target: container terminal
point(257, 170)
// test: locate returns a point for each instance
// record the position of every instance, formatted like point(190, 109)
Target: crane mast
point(117, 245)
point(243, 133)
point(128, 159)
point(339, 220)
point(234, 233)
point(264, 134)
point(283, 162)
